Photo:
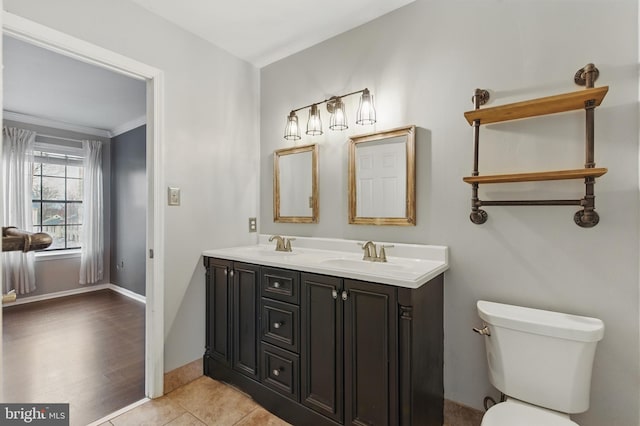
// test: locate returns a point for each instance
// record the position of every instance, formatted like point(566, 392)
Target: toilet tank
point(541, 357)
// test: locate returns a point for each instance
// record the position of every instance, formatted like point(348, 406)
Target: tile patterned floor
point(201, 402)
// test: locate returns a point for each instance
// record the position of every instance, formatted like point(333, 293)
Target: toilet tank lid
point(537, 321)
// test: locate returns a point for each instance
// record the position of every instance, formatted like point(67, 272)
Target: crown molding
point(129, 125)
point(38, 121)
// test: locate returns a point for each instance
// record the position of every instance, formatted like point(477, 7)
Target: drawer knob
point(276, 372)
point(276, 284)
point(278, 324)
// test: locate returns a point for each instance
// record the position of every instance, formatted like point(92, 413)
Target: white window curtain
point(17, 169)
point(92, 240)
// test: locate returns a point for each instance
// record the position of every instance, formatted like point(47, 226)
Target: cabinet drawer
point(280, 371)
point(280, 324)
point(281, 284)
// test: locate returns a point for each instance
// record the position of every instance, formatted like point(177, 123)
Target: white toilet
point(541, 360)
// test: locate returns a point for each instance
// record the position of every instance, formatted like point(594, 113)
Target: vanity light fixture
point(314, 125)
point(338, 120)
point(292, 130)
point(366, 110)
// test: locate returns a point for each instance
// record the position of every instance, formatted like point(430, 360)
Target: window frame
point(67, 157)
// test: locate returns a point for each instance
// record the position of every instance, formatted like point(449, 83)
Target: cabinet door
point(321, 350)
point(217, 311)
point(370, 350)
point(245, 318)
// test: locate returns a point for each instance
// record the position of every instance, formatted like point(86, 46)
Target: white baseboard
point(126, 292)
point(29, 299)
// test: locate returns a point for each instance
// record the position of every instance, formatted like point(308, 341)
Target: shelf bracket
point(477, 216)
point(586, 76)
point(587, 216)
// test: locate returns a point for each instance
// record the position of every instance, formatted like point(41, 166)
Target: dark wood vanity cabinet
point(349, 356)
point(323, 350)
point(232, 314)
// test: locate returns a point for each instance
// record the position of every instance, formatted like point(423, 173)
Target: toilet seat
point(517, 413)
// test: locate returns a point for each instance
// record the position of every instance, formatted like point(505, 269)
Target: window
point(57, 198)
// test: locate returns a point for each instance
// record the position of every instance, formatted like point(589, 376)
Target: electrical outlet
point(253, 224)
point(174, 196)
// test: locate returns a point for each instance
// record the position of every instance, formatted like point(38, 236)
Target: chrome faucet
point(370, 250)
point(282, 243)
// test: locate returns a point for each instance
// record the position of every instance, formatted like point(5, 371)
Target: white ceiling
point(52, 87)
point(264, 31)
point(46, 85)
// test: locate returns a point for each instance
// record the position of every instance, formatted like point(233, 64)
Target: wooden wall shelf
point(537, 107)
point(537, 176)
point(587, 99)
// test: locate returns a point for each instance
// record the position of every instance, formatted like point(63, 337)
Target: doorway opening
point(41, 36)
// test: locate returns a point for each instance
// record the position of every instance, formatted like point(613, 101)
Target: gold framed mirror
point(295, 185)
point(382, 178)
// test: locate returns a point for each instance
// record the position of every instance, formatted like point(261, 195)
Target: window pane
point(57, 233)
point(52, 213)
point(35, 213)
point(73, 236)
point(74, 172)
point(57, 198)
point(52, 188)
point(74, 189)
point(36, 188)
point(53, 169)
point(74, 213)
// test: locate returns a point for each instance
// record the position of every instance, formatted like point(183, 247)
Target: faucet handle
point(287, 243)
point(382, 256)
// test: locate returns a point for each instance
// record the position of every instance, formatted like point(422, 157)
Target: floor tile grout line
point(247, 415)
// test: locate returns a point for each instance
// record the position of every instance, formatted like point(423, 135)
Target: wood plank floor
point(87, 350)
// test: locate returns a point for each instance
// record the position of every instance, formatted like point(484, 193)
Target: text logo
point(34, 414)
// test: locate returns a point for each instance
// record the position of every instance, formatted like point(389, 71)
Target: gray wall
point(423, 63)
point(54, 274)
point(129, 209)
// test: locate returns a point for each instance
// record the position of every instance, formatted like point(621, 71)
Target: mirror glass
point(382, 178)
point(295, 185)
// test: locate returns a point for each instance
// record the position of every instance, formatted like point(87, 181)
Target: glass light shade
point(292, 130)
point(314, 125)
point(338, 120)
point(366, 110)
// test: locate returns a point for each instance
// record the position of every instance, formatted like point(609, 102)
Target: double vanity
point(319, 336)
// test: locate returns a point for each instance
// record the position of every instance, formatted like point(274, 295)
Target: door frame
point(64, 44)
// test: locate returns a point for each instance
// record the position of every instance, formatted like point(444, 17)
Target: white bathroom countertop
point(408, 265)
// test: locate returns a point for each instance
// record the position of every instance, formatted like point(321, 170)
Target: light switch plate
point(253, 224)
point(174, 196)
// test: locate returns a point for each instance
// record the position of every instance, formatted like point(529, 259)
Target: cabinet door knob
point(226, 271)
point(334, 293)
point(231, 272)
point(278, 324)
point(276, 284)
point(345, 295)
point(276, 372)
